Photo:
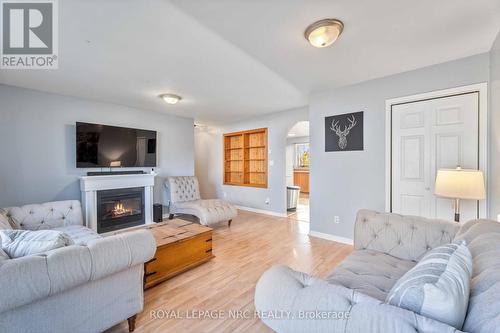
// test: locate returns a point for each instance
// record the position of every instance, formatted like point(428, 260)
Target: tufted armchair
point(185, 199)
point(385, 247)
point(86, 287)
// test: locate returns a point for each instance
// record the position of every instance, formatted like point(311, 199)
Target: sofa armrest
point(118, 252)
point(290, 301)
point(27, 279)
point(404, 237)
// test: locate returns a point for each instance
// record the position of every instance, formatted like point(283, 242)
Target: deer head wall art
point(344, 132)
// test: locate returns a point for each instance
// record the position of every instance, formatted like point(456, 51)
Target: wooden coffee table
point(180, 246)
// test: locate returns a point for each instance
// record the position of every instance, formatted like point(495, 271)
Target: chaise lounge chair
point(185, 199)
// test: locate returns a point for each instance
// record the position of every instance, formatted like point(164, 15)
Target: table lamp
point(460, 184)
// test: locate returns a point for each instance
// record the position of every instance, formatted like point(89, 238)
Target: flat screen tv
point(100, 146)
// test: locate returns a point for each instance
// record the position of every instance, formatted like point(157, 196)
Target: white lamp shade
point(460, 184)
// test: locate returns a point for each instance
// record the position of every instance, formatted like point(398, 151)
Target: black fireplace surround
point(120, 208)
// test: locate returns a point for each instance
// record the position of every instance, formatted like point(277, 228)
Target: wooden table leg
point(131, 323)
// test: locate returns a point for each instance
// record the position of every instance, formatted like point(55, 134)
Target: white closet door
point(427, 136)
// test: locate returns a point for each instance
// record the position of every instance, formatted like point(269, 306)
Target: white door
point(427, 136)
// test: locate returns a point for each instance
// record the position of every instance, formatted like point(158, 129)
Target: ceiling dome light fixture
point(324, 33)
point(171, 98)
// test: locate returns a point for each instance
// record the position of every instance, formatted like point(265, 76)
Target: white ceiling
point(235, 59)
point(380, 38)
point(128, 52)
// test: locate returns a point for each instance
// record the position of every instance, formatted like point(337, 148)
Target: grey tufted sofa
point(87, 287)
point(351, 298)
point(185, 199)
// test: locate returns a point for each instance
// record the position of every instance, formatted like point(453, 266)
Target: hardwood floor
point(301, 213)
point(243, 252)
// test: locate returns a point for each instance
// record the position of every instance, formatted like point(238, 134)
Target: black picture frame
point(344, 132)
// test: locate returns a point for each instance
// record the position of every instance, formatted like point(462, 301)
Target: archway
point(297, 171)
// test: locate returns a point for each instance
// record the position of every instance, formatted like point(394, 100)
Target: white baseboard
point(261, 211)
point(334, 238)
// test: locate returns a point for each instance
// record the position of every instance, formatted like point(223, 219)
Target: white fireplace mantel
point(90, 185)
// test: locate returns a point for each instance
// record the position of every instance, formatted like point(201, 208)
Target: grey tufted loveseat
point(185, 199)
point(351, 299)
point(86, 287)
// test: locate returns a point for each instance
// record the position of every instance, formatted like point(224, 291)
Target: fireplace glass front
point(121, 208)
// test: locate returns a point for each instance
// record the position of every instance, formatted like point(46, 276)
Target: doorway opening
point(297, 171)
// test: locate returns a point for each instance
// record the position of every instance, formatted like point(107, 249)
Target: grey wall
point(208, 142)
point(37, 145)
point(343, 182)
point(494, 170)
point(207, 160)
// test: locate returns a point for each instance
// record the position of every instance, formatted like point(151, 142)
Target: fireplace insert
point(120, 208)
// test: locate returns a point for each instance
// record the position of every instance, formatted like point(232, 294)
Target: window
point(301, 155)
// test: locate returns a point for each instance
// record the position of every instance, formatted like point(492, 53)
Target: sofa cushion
point(438, 286)
point(4, 222)
point(369, 272)
point(3, 256)
point(483, 239)
point(20, 243)
point(79, 234)
point(208, 211)
point(46, 216)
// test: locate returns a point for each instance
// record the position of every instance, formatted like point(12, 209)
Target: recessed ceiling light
point(324, 33)
point(171, 98)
